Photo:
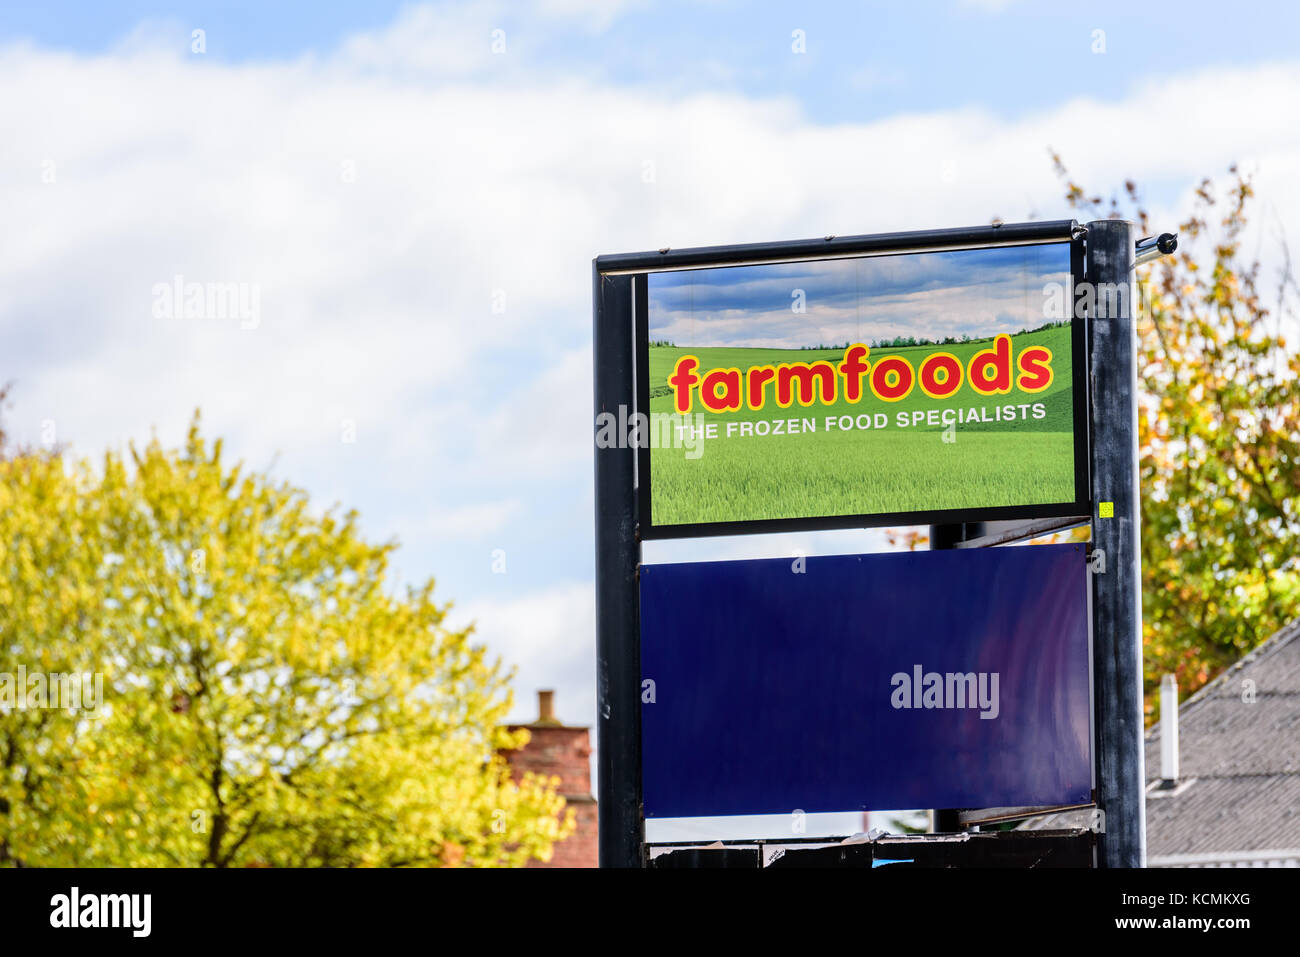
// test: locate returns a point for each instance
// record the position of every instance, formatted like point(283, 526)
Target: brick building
point(565, 752)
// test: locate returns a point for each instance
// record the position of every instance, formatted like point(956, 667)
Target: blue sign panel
point(948, 679)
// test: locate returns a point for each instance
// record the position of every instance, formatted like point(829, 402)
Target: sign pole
point(618, 636)
point(1117, 575)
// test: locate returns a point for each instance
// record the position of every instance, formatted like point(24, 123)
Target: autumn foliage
point(1219, 435)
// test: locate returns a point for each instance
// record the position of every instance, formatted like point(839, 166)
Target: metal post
point(947, 536)
point(948, 820)
point(618, 645)
point(1116, 590)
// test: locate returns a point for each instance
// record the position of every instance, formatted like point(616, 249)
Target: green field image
point(864, 472)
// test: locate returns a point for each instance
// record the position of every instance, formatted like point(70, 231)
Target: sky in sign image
point(938, 295)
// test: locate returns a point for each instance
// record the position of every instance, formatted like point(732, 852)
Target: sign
point(866, 390)
point(778, 686)
point(951, 679)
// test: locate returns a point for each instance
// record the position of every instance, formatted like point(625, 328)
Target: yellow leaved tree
point(268, 698)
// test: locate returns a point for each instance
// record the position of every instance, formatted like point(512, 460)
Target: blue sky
point(417, 215)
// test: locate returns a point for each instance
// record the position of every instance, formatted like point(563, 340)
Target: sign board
point(753, 379)
point(948, 679)
point(893, 388)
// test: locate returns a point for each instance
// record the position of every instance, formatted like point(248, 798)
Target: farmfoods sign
point(865, 390)
point(939, 375)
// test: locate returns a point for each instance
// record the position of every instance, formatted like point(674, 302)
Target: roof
point(1239, 767)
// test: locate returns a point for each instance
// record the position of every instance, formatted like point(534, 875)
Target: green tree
point(1219, 435)
point(268, 697)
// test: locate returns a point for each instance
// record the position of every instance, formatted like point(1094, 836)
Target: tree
point(269, 699)
point(1219, 435)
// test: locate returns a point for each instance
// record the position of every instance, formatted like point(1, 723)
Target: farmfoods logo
point(940, 375)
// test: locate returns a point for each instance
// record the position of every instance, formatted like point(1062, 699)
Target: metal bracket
point(1097, 562)
point(1153, 247)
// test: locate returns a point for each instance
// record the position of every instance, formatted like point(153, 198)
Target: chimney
point(1168, 731)
point(546, 707)
point(557, 750)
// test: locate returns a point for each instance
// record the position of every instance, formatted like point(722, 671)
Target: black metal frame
point(639, 265)
point(618, 607)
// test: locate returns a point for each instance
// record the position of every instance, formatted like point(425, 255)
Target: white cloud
point(424, 39)
point(486, 38)
point(471, 521)
point(549, 635)
point(545, 425)
point(596, 15)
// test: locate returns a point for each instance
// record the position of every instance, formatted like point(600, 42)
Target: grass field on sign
point(862, 472)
